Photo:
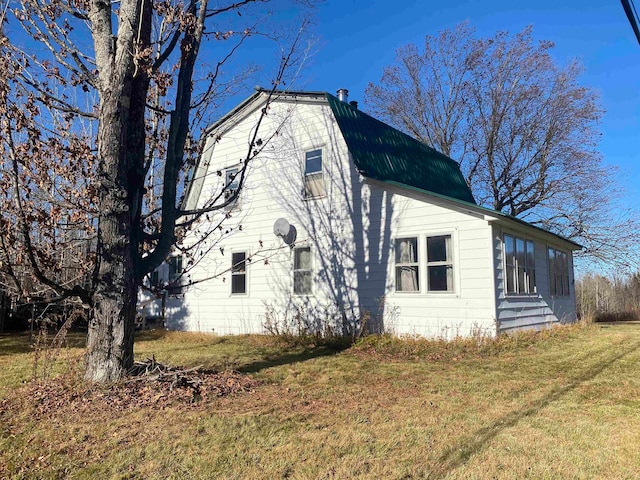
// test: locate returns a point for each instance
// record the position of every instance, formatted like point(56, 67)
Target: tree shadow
point(291, 358)
point(459, 454)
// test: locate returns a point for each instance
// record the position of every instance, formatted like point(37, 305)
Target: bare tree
point(523, 128)
point(100, 117)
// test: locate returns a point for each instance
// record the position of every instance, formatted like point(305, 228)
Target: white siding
point(351, 232)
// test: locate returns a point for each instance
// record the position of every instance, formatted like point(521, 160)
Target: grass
point(561, 404)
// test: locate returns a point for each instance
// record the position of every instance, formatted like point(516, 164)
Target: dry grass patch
point(560, 404)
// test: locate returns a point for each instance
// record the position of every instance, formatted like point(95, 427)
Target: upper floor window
point(313, 174)
point(238, 272)
point(439, 264)
point(520, 265)
point(407, 265)
point(558, 273)
point(302, 271)
point(231, 182)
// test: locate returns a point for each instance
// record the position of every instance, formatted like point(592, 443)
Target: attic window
point(313, 175)
point(231, 182)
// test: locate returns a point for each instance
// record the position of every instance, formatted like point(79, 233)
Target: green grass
point(561, 404)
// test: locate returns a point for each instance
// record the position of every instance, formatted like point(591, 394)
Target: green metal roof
point(383, 153)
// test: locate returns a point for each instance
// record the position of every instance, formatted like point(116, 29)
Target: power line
point(632, 15)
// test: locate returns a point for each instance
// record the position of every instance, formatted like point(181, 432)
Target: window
point(239, 272)
point(154, 278)
point(439, 264)
point(520, 265)
point(313, 176)
point(407, 266)
point(302, 280)
point(175, 272)
point(558, 273)
point(231, 182)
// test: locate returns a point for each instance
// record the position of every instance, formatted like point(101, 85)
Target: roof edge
point(483, 210)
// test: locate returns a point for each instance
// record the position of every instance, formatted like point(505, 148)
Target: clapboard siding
point(540, 310)
point(351, 232)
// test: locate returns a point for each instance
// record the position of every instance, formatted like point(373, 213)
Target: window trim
point(319, 172)
point(311, 270)
point(245, 273)
point(527, 269)
point(566, 274)
point(423, 271)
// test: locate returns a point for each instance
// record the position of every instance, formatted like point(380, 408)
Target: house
point(344, 223)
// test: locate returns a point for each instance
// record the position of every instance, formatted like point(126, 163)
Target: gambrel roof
point(383, 153)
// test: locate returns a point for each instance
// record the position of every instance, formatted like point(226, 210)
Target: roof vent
point(354, 104)
point(343, 95)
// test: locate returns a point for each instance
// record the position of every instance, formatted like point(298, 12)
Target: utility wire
point(632, 15)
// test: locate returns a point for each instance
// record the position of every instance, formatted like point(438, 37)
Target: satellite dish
point(281, 227)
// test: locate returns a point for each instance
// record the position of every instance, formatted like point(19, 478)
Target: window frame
point(244, 272)
point(310, 270)
point(525, 285)
point(399, 265)
point(554, 275)
point(174, 286)
point(228, 191)
point(439, 263)
point(319, 174)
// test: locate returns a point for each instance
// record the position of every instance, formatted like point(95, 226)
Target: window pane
point(510, 274)
point(239, 283)
point(440, 278)
point(314, 185)
point(302, 258)
point(238, 262)
point(531, 259)
point(532, 280)
point(509, 250)
point(407, 279)
point(520, 253)
point(313, 162)
point(231, 178)
point(521, 283)
point(407, 250)
point(439, 249)
point(302, 282)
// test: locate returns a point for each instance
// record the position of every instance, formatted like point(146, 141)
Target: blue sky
point(356, 39)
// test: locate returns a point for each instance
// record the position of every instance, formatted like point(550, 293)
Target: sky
point(356, 39)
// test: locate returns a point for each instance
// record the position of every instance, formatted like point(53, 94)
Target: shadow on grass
point(459, 454)
point(15, 343)
point(288, 358)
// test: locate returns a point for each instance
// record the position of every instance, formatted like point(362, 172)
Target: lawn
point(563, 404)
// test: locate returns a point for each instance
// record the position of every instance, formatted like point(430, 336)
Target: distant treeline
point(606, 299)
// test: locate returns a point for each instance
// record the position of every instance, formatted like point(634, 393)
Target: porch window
point(302, 271)
point(439, 264)
point(407, 265)
point(558, 273)
point(239, 273)
point(520, 265)
point(313, 174)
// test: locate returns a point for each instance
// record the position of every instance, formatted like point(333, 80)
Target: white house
point(343, 219)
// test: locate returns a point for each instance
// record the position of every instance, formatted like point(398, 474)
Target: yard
point(561, 404)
